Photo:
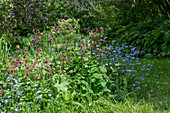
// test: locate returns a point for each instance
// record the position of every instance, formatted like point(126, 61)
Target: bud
point(49, 40)
point(36, 58)
point(82, 37)
point(25, 77)
point(58, 58)
point(64, 71)
point(17, 46)
point(71, 58)
point(64, 62)
point(100, 51)
point(36, 36)
point(38, 77)
point(10, 58)
point(8, 68)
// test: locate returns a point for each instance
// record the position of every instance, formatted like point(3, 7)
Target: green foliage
point(5, 45)
point(62, 71)
point(21, 17)
point(149, 36)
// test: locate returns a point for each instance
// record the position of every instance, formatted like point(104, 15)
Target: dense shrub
point(149, 36)
point(21, 17)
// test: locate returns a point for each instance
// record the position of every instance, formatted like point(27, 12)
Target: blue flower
point(137, 82)
point(137, 87)
point(15, 86)
point(38, 92)
point(145, 85)
point(35, 85)
point(133, 48)
point(6, 101)
point(126, 46)
point(20, 104)
point(156, 75)
point(28, 82)
point(4, 86)
point(142, 78)
point(45, 90)
point(16, 109)
point(147, 73)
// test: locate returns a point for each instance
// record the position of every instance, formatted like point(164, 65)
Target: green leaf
point(94, 69)
point(103, 69)
point(62, 86)
point(103, 83)
point(97, 75)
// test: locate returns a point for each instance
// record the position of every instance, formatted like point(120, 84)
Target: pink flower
point(109, 28)
point(10, 58)
point(36, 36)
point(92, 42)
point(64, 71)
point(71, 58)
point(38, 77)
point(106, 47)
point(8, 68)
point(36, 58)
point(101, 28)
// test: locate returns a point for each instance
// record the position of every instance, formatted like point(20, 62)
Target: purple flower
point(32, 41)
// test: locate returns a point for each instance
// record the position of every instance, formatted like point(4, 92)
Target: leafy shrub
point(21, 17)
point(150, 36)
